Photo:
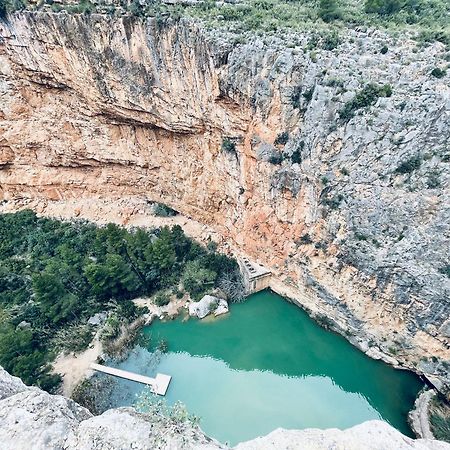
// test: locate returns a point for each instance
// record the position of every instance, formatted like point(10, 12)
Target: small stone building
point(256, 277)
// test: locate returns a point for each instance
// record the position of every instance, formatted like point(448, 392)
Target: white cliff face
point(31, 418)
point(92, 106)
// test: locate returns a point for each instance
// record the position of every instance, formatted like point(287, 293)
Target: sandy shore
point(171, 310)
point(75, 367)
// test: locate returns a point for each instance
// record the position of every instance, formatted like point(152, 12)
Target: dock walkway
point(159, 384)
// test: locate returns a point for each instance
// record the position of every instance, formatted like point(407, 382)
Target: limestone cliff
point(351, 213)
point(29, 415)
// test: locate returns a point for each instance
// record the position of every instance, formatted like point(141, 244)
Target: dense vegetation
point(429, 19)
point(440, 419)
point(441, 427)
point(54, 275)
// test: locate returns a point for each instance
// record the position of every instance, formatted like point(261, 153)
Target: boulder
point(24, 325)
point(207, 305)
point(35, 419)
point(97, 319)
point(9, 385)
point(222, 308)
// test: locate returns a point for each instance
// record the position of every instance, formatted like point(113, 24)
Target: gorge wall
point(352, 216)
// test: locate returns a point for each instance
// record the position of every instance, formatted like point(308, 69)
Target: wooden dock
point(159, 385)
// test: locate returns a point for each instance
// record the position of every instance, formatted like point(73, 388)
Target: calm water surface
point(267, 365)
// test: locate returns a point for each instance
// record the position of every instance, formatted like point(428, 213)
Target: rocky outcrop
point(419, 416)
point(29, 415)
point(208, 305)
point(52, 422)
point(350, 212)
point(372, 435)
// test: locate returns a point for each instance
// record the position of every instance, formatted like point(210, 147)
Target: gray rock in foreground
point(371, 435)
point(31, 418)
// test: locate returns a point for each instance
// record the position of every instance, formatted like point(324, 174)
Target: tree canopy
point(55, 274)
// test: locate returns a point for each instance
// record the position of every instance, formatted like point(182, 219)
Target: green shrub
point(306, 239)
point(438, 72)
point(334, 82)
point(111, 329)
point(83, 7)
point(276, 159)
point(228, 146)
point(308, 94)
point(282, 138)
point(212, 246)
point(445, 270)
point(162, 210)
point(324, 321)
point(384, 50)
point(213, 306)
point(75, 338)
point(364, 98)
point(433, 180)
point(333, 202)
point(7, 6)
point(3, 9)
point(296, 157)
point(429, 36)
point(295, 97)
point(197, 279)
point(409, 165)
point(440, 426)
point(360, 236)
point(161, 299)
point(178, 294)
point(383, 7)
point(313, 41)
point(136, 9)
point(331, 41)
point(329, 10)
point(94, 393)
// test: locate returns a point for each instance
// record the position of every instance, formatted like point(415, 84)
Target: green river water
point(268, 365)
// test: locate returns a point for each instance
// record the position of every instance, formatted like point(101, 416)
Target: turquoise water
point(267, 365)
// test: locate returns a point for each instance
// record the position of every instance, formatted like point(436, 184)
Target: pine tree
point(329, 10)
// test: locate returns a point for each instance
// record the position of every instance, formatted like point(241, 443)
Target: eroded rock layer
point(352, 213)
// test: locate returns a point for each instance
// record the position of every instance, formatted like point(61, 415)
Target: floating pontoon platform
point(159, 385)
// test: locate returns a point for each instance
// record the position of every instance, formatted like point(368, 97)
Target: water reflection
point(268, 365)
